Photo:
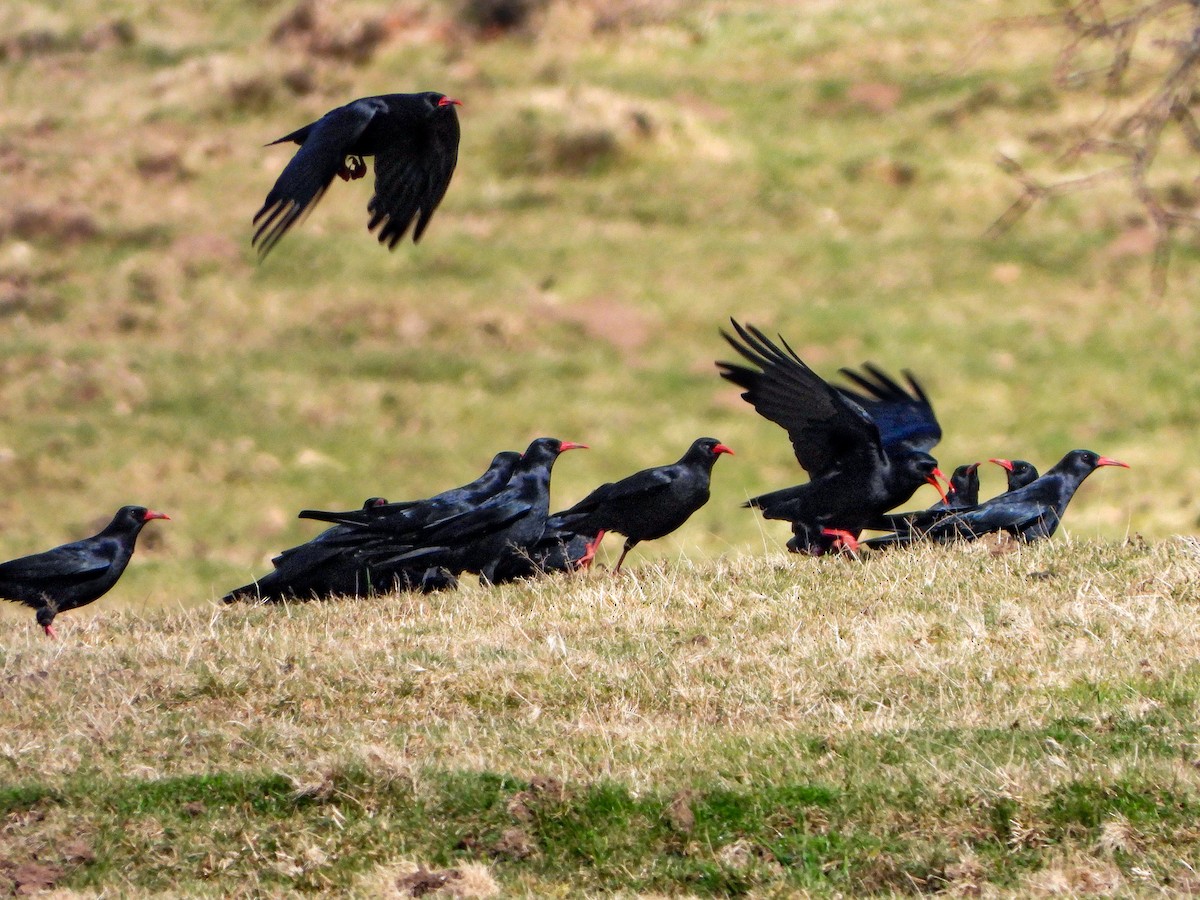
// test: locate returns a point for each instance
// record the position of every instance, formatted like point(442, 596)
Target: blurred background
point(631, 174)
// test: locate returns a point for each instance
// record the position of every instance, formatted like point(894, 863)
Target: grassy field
point(726, 720)
point(749, 726)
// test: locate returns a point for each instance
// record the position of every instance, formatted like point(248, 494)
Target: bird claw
point(352, 169)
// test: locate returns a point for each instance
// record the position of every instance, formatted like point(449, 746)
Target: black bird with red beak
point(1017, 472)
point(414, 139)
point(964, 488)
point(865, 453)
point(477, 539)
point(648, 504)
point(75, 574)
point(1029, 513)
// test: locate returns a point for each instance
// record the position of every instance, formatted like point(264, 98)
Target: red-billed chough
point(414, 139)
point(865, 453)
point(477, 539)
point(1018, 472)
point(964, 488)
point(1027, 513)
point(78, 573)
point(651, 503)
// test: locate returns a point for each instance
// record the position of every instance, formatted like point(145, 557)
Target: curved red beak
point(721, 448)
point(933, 479)
point(1003, 463)
point(151, 514)
point(1109, 461)
point(449, 101)
point(571, 445)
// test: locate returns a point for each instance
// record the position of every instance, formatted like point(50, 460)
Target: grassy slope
point(144, 356)
point(745, 726)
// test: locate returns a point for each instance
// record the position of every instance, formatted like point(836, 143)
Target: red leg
point(589, 554)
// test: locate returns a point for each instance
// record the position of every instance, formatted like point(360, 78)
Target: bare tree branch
point(1149, 97)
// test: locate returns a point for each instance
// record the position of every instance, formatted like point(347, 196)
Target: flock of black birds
point(865, 446)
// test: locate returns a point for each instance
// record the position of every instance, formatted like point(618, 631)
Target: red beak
point(151, 514)
point(933, 479)
point(1109, 461)
point(1003, 463)
point(448, 101)
point(721, 448)
point(571, 445)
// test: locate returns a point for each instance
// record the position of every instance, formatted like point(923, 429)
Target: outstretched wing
point(323, 148)
point(905, 418)
point(411, 178)
point(827, 429)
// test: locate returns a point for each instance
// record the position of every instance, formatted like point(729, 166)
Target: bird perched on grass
point(78, 573)
point(865, 453)
point(480, 536)
point(651, 503)
point(1028, 513)
point(414, 139)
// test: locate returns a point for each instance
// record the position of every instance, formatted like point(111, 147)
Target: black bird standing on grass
point(414, 139)
point(1028, 513)
point(75, 574)
point(478, 538)
point(651, 503)
point(865, 453)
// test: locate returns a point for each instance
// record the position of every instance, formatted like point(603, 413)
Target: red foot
point(589, 553)
point(844, 541)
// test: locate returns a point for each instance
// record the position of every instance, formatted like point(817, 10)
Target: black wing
point(323, 148)
point(904, 418)
point(826, 428)
point(411, 178)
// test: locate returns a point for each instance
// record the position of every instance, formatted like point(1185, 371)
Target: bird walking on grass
point(865, 451)
point(651, 503)
point(414, 139)
point(78, 573)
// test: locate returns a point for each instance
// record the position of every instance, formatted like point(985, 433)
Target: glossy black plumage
point(1017, 472)
point(78, 573)
point(414, 139)
point(1027, 513)
point(332, 564)
point(651, 503)
point(413, 514)
point(964, 488)
point(563, 547)
point(858, 468)
point(478, 538)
